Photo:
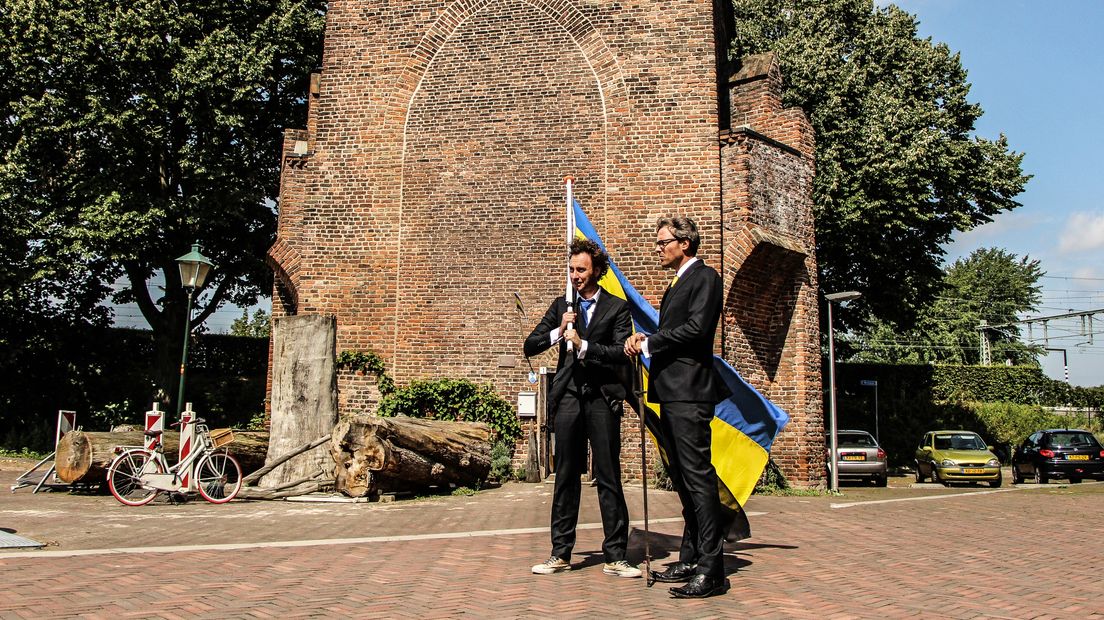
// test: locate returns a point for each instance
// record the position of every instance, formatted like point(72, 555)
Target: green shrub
point(772, 481)
point(454, 399)
point(367, 361)
point(500, 460)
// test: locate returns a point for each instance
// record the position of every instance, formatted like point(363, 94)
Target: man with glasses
point(683, 381)
point(587, 396)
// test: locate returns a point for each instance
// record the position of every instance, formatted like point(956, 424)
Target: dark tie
point(584, 307)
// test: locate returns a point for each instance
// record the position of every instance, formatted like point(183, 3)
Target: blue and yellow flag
point(744, 425)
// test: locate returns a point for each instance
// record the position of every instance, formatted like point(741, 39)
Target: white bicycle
point(137, 475)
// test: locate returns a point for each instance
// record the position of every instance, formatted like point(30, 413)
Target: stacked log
point(376, 455)
point(85, 456)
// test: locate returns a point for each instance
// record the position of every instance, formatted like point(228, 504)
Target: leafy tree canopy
point(990, 285)
point(898, 167)
point(259, 326)
point(130, 129)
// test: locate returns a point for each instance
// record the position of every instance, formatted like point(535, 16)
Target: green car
point(956, 456)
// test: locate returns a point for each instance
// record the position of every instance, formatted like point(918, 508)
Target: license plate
point(1077, 457)
point(973, 470)
point(854, 457)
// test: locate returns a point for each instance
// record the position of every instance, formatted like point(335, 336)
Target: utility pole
point(986, 353)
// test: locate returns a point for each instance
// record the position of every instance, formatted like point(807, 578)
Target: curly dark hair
point(598, 257)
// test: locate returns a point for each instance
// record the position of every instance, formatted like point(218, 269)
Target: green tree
point(257, 327)
point(898, 167)
point(991, 285)
point(130, 129)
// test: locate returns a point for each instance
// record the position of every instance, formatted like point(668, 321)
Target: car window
point(959, 441)
point(856, 440)
point(1071, 439)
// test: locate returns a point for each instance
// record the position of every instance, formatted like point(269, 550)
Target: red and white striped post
point(155, 421)
point(187, 444)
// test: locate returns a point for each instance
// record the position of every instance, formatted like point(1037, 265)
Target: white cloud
point(1088, 273)
point(1083, 231)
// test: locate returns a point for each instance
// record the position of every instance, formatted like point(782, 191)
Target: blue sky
point(1035, 69)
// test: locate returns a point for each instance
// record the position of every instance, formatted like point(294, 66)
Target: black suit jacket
point(606, 367)
point(682, 349)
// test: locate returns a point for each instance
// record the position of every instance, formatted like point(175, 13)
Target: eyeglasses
point(662, 243)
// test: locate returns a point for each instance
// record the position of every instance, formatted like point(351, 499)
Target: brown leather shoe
point(701, 586)
point(675, 573)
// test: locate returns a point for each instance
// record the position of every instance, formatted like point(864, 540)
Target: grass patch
point(23, 453)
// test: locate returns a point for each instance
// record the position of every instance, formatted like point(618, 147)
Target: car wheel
point(919, 475)
point(1075, 479)
point(1017, 477)
point(935, 476)
point(881, 481)
point(995, 483)
point(1040, 477)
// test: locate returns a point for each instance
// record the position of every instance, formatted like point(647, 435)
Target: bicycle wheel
point(124, 477)
point(219, 477)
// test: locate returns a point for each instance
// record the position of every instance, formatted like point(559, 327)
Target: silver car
point(860, 457)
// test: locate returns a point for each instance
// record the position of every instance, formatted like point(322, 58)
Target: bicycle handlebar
point(194, 421)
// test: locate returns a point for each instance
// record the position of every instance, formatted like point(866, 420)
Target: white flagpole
point(569, 296)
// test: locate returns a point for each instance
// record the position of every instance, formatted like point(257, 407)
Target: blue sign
point(868, 383)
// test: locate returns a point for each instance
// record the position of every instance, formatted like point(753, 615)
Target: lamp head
point(194, 268)
point(844, 296)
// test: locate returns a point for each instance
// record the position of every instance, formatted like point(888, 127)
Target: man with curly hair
point(587, 397)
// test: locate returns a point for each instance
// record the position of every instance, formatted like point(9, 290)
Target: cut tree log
point(85, 456)
point(402, 454)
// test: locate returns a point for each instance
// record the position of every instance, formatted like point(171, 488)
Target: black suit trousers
point(687, 440)
point(579, 418)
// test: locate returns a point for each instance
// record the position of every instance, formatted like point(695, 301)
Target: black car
point(1058, 453)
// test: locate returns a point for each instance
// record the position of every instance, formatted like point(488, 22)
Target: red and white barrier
point(187, 444)
point(155, 421)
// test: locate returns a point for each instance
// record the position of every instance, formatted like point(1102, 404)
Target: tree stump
point(402, 454)
point(85, 456)
point(304, 394)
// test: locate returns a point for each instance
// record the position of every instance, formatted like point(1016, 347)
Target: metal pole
point(638, 390)
point(832, 400)
point(184, 355)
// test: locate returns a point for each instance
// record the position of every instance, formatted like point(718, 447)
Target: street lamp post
point(193, 272)
point(832, 298)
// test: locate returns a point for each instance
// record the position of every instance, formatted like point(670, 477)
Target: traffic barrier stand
point(66, 421)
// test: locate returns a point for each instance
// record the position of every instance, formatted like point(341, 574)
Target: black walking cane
point(638, 389)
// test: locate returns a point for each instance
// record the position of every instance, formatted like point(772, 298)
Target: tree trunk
point(304, 394)
point(398, 454)
point(84, 457)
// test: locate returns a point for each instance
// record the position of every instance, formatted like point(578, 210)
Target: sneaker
point(551, 566)
point(621, 568)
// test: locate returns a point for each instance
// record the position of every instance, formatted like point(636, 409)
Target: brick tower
point(427, 187)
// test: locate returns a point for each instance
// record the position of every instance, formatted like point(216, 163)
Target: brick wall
point(438, 137)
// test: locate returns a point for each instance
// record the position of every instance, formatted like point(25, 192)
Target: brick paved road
point(1026, 552)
